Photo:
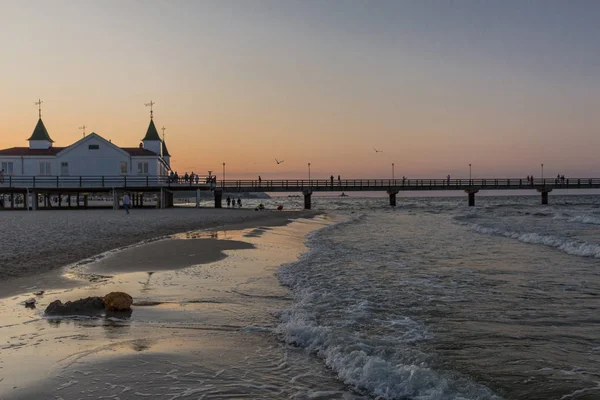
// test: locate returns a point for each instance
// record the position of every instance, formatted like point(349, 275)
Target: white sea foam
point(585, 219)
point(569, 246)
point(373, 352)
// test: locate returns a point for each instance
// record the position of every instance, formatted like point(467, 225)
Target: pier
point(161, 189)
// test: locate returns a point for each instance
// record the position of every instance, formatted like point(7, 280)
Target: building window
point(123, 168)
point(64, 168)
point(93, 147)
point(7, 167)
point(142, 168)
point(45, 168)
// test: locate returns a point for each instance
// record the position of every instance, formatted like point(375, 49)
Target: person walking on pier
point(331, 178)
point(259, 180)
point(126, 202)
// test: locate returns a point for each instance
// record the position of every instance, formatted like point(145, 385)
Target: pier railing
point(406, 184)
point(98, 182)
point(282, 185)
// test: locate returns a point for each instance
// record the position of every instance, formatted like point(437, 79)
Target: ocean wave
point(569, 246)
point(358, 363)
point(585, 219)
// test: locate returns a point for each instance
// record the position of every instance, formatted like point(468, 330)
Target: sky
point(436, 85)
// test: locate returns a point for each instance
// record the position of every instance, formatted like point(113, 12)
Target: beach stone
point(89, 305)
point(117, 301)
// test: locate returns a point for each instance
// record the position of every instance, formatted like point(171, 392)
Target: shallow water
point(433, 300)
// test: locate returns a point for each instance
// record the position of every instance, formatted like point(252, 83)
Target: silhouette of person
point(228, 201)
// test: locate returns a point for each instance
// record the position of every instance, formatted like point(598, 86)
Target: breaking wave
point(569, 246)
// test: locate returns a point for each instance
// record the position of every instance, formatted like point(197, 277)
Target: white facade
point(91, 156)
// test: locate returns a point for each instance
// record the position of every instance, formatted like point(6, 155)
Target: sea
point(436, 300)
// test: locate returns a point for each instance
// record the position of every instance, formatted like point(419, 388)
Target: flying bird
point(377, 151)
point(278, 162)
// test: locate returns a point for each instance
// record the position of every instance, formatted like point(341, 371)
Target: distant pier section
point(163, 188)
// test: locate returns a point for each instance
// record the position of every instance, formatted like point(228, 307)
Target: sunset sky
point(504, 85)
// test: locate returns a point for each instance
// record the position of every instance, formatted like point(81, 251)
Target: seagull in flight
point(377, 151)
point(278, 162)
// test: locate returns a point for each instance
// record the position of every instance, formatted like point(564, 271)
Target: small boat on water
point(343, 195)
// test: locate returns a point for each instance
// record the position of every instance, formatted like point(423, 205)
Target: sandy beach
point(204, 313)
point(36, 242)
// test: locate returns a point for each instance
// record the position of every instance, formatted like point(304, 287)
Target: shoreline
point(44, 243)
point(204, 317)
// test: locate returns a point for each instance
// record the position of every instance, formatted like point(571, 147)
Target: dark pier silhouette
point(163, 188)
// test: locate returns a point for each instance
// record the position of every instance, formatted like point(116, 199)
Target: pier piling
point(307, 198)
point(392, 193)
point(471, 193)
point(544, 192)
point(218, 198)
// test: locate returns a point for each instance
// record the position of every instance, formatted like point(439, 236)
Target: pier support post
point(12, 200)
point(85, 200)
point(392, 193)
point(115, 200)
point(197, 198)
point(69, 201)
point(544, 193)
point(34, 200)
point(471, 193)
point(142, 200)
point(218, 198)
point(307, 198)
point(26, 200)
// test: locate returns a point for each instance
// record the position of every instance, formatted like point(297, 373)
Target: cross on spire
point(83, 129)
point(39, 104)
point(151, 104)
point(163, 129)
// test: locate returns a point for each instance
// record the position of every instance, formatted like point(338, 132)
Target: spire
point(151, 133)
point(40, 132)
point(165, 152)
point(39, 104)
point(151, 104)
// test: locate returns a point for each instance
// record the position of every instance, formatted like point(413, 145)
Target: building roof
point(151, 133)
point(40, 132)
point(165, 152)
point(136, 151)
point(26, 151)
point(52, 151)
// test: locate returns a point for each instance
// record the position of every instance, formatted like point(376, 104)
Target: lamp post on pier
point(309, 173)
point(542, 173)
point(393, 178)
point(469, 172)
point(223, 183)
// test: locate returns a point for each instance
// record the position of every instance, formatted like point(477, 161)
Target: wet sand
point(37, 242)
point(200, 328)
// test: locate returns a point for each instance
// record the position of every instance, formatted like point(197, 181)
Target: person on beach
point(228, 201)
point(126, 202)
point(239, 201)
